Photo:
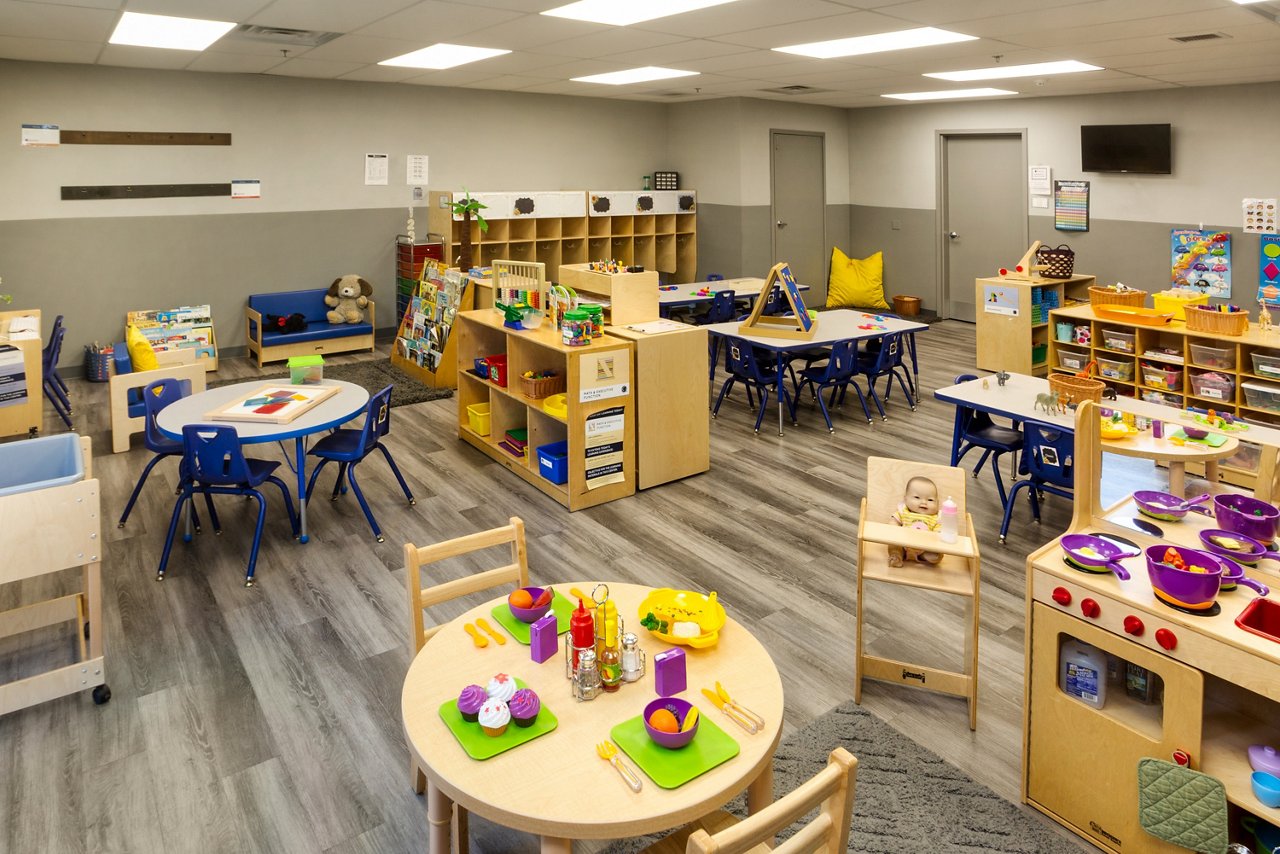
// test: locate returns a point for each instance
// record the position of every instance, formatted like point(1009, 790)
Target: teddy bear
point(348, 297)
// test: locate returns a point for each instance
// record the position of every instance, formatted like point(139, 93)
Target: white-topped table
point(332, 412)
point(747, 288)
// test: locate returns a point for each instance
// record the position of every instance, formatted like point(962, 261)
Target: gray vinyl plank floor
point(267, 719)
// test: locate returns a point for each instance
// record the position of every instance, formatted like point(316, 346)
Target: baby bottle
point(949, 520)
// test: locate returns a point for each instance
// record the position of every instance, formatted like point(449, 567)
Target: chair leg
point(395, 469)
point(764, 405)
point(1035, 500)
point(311, 484)
point(911, 401)
point(982, 461)
point(853, 384)
point(64, 414)
point(822, 404)
point(137, 489)
point(213, 514)
point(288, 504)
point(995, 470)
point(339, 483)
point(875, 398)
point(724, 389)
point(60, 393)
point(257, 537)
point(173, 530)
point(364, 505)
point(1008, 507)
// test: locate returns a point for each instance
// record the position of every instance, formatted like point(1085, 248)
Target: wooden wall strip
point(125, 137)
point(144, 191)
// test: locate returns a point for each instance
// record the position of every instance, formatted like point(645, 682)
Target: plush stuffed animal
point(348, 297)
point(295, 322)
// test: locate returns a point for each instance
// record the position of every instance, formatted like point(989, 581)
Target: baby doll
point(919, 510)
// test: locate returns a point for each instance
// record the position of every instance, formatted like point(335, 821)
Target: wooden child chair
point(956, 573)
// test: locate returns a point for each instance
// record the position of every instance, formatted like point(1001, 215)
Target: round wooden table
point(556, 786)
point(1146, 446)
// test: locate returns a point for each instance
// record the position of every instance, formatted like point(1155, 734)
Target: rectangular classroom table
point(687, 296)
point(835, 326)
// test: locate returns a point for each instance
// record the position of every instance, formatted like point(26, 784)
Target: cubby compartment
point(573, 227)
point(523, 229)
point(549, 447)
point(644, 252)
point(548, 229)
point(622, 250)
point(548, 252)
point(1161, 376)
point(643, 224)
point(574, 252)
point(1072, 360)
point(1266, 363)
point(1157, 345)
point(664, 224)
point(1163, 398)
point(598, 226)
point(599, 248)
point(1115, 369)
point(1234, 719)
point(665, 253)
point(622, 226)
point(1213, 354)
point(1118, 340)
point(508, 415)
point(1213, 385)
point(497, 232)
point(685, 223)
point(520, 251)
point(1261, 396)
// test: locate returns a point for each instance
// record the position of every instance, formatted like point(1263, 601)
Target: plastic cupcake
point(502, 687)
point(494, 717)
point(524, 707)
point(470, 701)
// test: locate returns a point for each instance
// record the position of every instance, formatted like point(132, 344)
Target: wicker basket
point(905, 306)
point(1110, 296)
point(543, 387)
point(1056, 263)
point(1205, 318)
point(1076, 389)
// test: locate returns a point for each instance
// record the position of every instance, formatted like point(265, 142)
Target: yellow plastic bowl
point(685, 606)
point(556, 405)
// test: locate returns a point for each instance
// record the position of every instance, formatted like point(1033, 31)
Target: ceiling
point(728, 45)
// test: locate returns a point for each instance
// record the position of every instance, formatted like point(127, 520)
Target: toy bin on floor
point(40, 463)
point(553, 462)
point(478, 418)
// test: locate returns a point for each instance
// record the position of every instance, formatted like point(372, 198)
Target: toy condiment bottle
point(632, 658)
point(950, 521)
point(581, 637)
point(586, 677)
point(611, 661)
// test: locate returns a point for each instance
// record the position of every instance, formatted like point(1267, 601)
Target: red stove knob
point(1062, 595)
point(1133, 626)
point(1090, 608)
point(1166, 638)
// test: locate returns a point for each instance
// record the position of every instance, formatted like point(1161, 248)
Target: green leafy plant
point(468, 207)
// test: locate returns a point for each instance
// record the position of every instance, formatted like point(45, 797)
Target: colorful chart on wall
point(273, 404)
point(1269, 269)
point(1071, 205)
point(1202, 260)
point(1259, 216)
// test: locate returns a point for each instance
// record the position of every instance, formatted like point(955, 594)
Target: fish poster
point(1269, 269)
point(1202, 261)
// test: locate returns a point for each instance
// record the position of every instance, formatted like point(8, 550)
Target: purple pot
point(1234, 576)
point(1164, 506)
point(1075, 544)
point(1242, 514)
point(530, 615)
point(1182, 588)
point(679, 708)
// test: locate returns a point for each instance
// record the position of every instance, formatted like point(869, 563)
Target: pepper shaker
point(632, 658)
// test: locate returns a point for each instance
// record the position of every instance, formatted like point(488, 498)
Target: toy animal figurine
point(1002, 377)
point(1108, 393)
point(1047, 401)
point(347, 299)
point(1264, 318)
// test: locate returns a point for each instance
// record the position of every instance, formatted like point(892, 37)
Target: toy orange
point(664, 721)
point(521, 599)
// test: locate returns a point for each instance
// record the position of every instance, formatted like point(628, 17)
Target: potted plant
point(466, 208)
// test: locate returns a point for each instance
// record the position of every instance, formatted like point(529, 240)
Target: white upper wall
point(1224, 149)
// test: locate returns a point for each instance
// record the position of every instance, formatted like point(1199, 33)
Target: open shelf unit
point(1017, 342)
point(630, 297)
point(606, 362)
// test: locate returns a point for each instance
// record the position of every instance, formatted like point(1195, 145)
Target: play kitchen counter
point(1221, 683)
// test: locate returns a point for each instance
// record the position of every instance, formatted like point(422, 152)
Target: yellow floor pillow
point(856, 282)
point(141, 353)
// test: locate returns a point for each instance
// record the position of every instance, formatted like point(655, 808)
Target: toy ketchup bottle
point(949, 520)
point(582, 636)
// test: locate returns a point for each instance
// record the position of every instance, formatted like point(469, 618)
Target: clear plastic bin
point(1072, 360)
point(40, 463)
point(1215, 357)
point(1262, 396)
point(1158, 376)
point(1115, 370)
point(1162, 398)
point(1214, 387)
point(1266, 363)
point(1115, 339)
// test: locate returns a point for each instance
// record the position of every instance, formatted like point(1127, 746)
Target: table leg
point(439, 821)
point(1211, 471)
point(300, 452)
point(781, 392)
point(760, 792)
point(1178, 478)
point(556, 845)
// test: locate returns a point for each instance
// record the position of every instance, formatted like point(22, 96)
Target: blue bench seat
point(320, 336)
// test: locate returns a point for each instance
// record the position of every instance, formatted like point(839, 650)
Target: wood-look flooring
point(267, 719)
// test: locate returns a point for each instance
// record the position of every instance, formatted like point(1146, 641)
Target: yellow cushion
point(856, 282)
point(141, 353)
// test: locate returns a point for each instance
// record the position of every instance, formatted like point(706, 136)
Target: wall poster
point(1071, 205)
point(1269, 269)
point(1202, 260)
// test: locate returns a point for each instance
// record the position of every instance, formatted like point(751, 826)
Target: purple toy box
point(669, 672)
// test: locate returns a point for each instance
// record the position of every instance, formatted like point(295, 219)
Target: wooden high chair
point(957, 573)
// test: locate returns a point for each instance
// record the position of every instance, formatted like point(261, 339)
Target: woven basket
point(97, 365)
point(1076, 389)
point(1058, 263)
point(1110, 296)
point(1204, 318)
point(540, 388)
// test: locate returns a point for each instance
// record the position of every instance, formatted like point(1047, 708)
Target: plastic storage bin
point(553, 462)
point(478, 417)
point(1216, 357)
point(1115, 339)
point(306, 370)
point(1266, 363)
point(498, 369)
point(1176, 303)
point(1162, 398)
point(1158, 376)
point(1259, 396)
point(1039, 353)
point(1072, 360)
point(40, 463)
point(1115, 370)
point(1214, 386)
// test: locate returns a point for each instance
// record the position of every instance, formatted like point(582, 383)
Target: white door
point(800, 205)
point(984, 212)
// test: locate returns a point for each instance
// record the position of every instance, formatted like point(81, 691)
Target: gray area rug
point(373, 375)
point(907, 798)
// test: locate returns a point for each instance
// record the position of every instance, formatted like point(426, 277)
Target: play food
point(1183, 577)
point(1242, 514)
point(1195, 432)
point(1266, 788)
point(501, 687)
point(494, 717)
point(690, 720)
point(1263, 757)
point(1116, 429)
point(679, 710)
point(682, 606)
point(664, 720)
point(1096, 554)
point(524, 706)
point(1238, 547)
point(470, 700)
point(1166, 507)
point(533, 611)
point(606, 751)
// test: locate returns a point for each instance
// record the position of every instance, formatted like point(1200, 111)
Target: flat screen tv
point(1126, 148)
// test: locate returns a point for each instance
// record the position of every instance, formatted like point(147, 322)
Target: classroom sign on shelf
point(605, 446)
point(1201, 260)
point(1269, 269)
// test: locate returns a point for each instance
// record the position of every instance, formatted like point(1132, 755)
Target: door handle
point(781, 224)
point(953, 235)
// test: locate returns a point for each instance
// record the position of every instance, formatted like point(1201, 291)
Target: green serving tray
point(1213, 440)
point(670, 769)
point(519, 629)
point(480, 746)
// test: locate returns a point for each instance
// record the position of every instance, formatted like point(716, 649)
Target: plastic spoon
point(480, 640)
point(488, 630)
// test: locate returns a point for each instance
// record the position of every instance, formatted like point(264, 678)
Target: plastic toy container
point(1071, 360)
point(553, 462)
point(498, 369)
point(1115, 370)
point(1266, 364)
point(1214, 386)
point(1161, 377)
point(1162, 398)
point(1039, 353)
point(478, 418)
point(40, 463)
point(1216, 357)
point(1115, 339)
point(1170, 302)
point(1262, 396)
point(306, 370)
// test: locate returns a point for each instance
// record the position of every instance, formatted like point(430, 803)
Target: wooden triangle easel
point(800, 325)
point(1027, 270)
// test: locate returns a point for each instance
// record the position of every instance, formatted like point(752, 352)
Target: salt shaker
point(632, 658)
point(586, 678)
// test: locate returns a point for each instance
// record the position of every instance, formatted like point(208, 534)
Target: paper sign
point(246, 188)
point(1260, 216)
point(375, 169)
point(13, 377)
point(40, 136)
point(1040, 180)
point(415, 172)
point(604, 375)
point(997, 299)
point(605, 446)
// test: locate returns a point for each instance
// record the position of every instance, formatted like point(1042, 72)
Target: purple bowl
point(1195, 432)
point(1182, 588)
point(1111, 554)
point(529, 615)
point(679, 708)
point(1263, 757)
point(1242, 514)
point(1160, 505)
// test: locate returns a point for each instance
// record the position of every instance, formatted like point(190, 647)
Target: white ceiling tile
point(845, 25)
point(607, 43)
point(509, 83)
point(686, 51)
point(145, 57)
point(87, 4)
point(460, 76)
point(68, 23)
point(48, 50)
point(431, 21)
point(355, 48)
point(525, 31)
point(233, 63)
point(314, 68)
point(337, 16)
point(741, 15)
point(208, 10)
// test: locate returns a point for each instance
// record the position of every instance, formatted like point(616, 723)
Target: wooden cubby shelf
point(1011, 342)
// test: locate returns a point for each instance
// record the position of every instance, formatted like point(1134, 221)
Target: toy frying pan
point(1096, 554)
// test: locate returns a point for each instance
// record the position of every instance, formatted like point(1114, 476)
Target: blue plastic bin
point(40, 463)
point(553, 462)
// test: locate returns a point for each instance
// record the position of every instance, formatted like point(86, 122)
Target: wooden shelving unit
point(1011, 342)
point(604, 367)
point(25, 414)
point(631, 297)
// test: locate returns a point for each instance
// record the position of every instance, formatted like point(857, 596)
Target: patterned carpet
point(374, 375)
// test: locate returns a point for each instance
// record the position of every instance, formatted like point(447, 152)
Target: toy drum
point(575, 328)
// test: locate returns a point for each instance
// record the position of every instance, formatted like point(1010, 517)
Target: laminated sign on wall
point(605, 446)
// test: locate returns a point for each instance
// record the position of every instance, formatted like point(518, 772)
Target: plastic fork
point(609, 753)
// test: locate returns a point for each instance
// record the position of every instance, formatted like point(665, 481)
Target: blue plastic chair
point(742, 365)
point(885, 362)
point(348, 448)
point(910, 340)
point(155, 397)
point(1047, 456)
point(53, 372)
point(215, 465)
point(837, 374)
point(721, 309)
point(975, 429)
point(49, 359)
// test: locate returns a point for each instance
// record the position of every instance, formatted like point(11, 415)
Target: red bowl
point(529, 615)
point(679, 708)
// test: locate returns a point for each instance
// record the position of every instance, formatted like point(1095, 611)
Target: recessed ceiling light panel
point(878, 43)
point(1002, 72)
point(949, 93)
point(620, 13)
point(635, 75)
point(441, 56)
point(164, 31)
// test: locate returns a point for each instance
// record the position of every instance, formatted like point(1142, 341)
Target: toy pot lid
point(1195, 591)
